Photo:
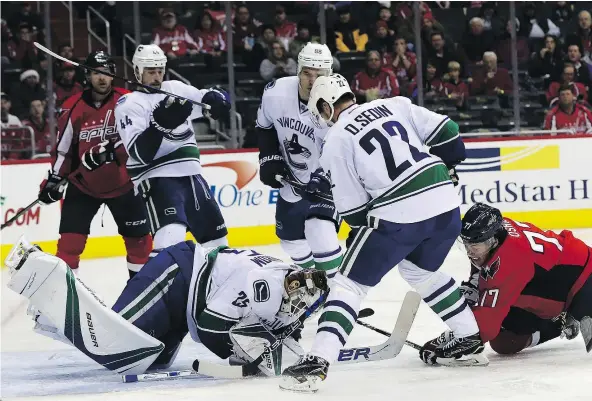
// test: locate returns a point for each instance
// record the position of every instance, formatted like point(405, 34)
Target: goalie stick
point(176, 374)
point(148, 88)
point(469, 360)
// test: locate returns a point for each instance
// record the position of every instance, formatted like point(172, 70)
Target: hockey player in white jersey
point(234, 302)
point(289, 144)
point(163, 156)
point(401, 203)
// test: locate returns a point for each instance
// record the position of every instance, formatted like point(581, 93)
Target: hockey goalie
point(235, 302)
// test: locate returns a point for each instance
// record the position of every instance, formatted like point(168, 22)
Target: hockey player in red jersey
point(527, 285)
point(89, 154)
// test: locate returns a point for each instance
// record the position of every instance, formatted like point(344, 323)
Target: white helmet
point(147, 56)
point(330, 89)
point(315, 55)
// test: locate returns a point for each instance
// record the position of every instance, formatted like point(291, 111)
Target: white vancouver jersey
point(300, 136)
point(379, 165)
point(178, 155)
point(234, 283)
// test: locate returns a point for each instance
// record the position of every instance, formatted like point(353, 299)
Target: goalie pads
point(77, 313)
point(250, 339)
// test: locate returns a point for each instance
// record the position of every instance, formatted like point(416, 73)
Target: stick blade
point(218, 370)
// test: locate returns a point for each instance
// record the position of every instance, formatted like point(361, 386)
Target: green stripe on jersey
point(424, 179)
point(203, 279)
point(185, 153)
point(208, 321)
point(446, 133)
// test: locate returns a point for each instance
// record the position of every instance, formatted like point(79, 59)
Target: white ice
point(34, 367)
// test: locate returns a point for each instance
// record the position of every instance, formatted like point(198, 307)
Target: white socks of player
point(338, 317)
point(322, 239)
point(442, 295)
point(169, 235)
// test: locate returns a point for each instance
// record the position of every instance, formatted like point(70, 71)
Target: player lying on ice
point(232, 301)
point(527, 286)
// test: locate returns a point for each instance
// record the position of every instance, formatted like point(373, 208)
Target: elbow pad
point(451, 153)
point(267, 141)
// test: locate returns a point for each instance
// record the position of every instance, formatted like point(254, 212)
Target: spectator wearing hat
point(29, 88)
point(374, 82)
point(491, 80)
point(8, 120)
point(349, 38)
point(569, 115)
point(567, 79)
point(429, 25)
point(386, 15)
point(547, 61)
point(381, 40)
point(300, 40)
point(209, 36)
point(401, 61)
point(38, 122)
point(477, 40)
point(66, 84)
point(503, 48)
point(285, 30)
point(173, 38)
point(583, 35)
point(278, 64)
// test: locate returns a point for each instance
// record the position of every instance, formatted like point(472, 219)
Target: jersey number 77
point(392, 128)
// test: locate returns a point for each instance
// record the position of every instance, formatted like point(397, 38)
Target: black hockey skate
point(304, 376)
point(454, 351)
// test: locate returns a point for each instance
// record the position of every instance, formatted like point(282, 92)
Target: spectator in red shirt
point(21, 49)
point(385, 15)
point(285, 30)
point(567, 79)
point(569, 115)
point(491, 80)
point(38, 122)
point(66, 85)
point(174, 39)
point(374, 82)
point(454, 87)
point(402, 61)
point(381, 40)
point(209, 36)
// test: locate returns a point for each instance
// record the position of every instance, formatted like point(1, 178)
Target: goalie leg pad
point(78, 314)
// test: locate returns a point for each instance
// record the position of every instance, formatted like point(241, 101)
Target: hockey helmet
point(329, 89)
point(315, 55)
point(480, 223)
point(98, 59)
point(147, 56)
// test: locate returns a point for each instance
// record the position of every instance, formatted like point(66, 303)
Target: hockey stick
point(302, 187)
point(149, 88)
point(469, 360)
point(393, 345)
point(27, 208)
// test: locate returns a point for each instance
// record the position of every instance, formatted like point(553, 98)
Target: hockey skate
point(449, 350)
point(304, 375)
point(586, 330)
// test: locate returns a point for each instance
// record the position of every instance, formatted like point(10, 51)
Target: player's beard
point(102, 91)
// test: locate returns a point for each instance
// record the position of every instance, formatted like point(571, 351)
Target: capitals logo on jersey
point(487, 272)
point(92, 130)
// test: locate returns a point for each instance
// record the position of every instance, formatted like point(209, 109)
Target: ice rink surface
point(34, 367)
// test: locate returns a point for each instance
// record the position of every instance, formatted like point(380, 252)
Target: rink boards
point(547, 181)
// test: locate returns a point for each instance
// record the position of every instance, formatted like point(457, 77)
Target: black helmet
point(480, 223)
point(100, 58)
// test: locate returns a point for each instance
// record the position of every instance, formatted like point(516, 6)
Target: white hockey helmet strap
point(315, 55)
point(147, 56)
point(329, 89)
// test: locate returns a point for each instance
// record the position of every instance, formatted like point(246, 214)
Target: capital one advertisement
point(544, 176)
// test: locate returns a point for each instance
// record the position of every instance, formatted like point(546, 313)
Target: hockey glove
point(269, 167)
point(453, 175)
point(469, 289)
point(98, 155)
point(319, 183)
point(219, 101)
point(50, 190)
point(170, 113)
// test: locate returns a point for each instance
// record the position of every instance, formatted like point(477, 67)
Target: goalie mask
point(305, 292)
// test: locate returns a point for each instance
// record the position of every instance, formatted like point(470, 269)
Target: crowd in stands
point(466, 55)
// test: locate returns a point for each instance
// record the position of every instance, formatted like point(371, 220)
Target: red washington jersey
point(83, 124)
point(535, 270)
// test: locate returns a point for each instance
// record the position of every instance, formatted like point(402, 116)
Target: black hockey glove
point(98, 155)
point(319, 184)
point(50, 190)
point(453, 175)
point(219, 101)
point(170, 113)
point(269, 167)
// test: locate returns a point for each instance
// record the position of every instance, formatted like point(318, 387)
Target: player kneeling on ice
point(527, 286)
point(234, 302)
point(403, 209)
